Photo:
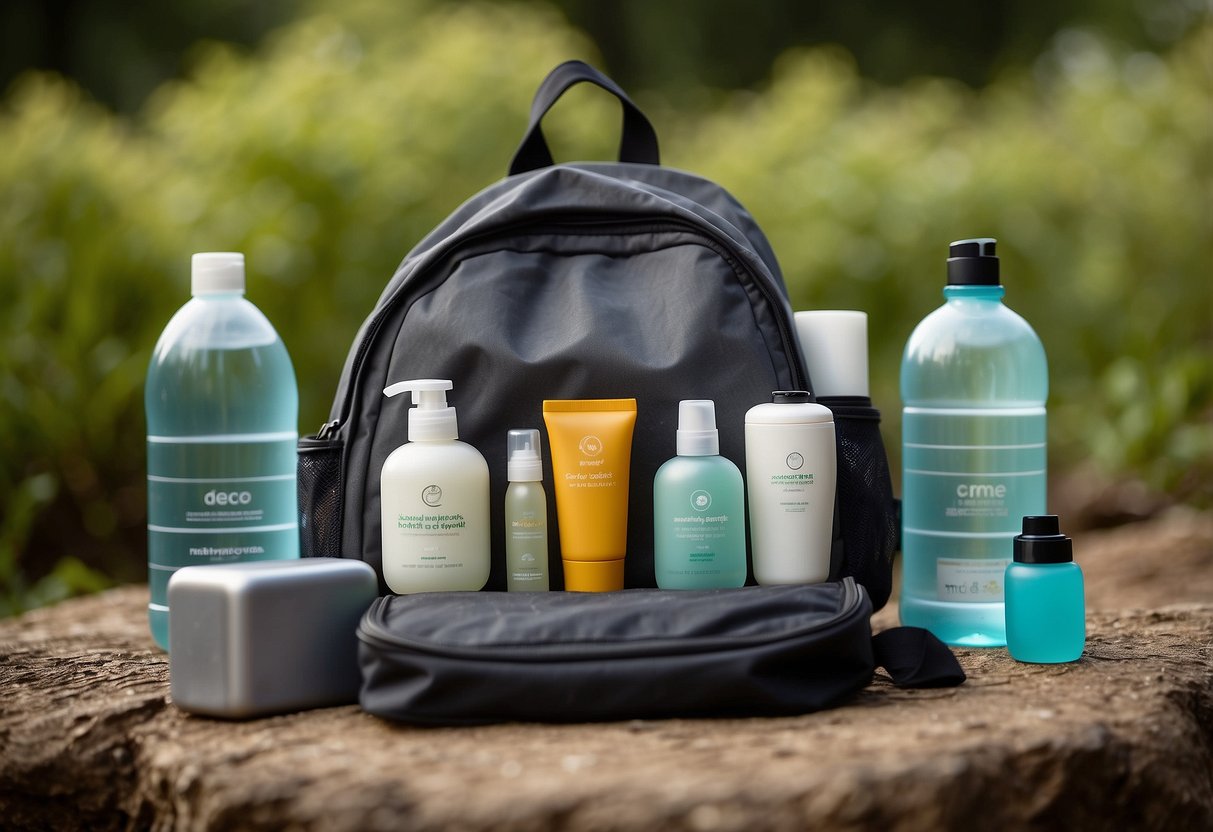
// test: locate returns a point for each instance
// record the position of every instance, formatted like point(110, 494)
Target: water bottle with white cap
point(222, 422)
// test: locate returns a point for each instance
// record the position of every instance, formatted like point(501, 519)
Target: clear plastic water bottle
point(973, 383)
point(222, 423)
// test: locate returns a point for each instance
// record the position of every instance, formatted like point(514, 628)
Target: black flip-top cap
point(790, 396)
point(973, 262)
point(1042, 541)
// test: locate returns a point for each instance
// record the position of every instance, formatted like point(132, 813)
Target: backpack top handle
point(638, 142)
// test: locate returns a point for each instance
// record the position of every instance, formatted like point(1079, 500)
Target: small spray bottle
point(698, 508)
point(526, 515)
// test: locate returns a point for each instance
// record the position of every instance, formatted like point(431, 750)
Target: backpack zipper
point(764, 282)
point(328, 429)
point(372, 631)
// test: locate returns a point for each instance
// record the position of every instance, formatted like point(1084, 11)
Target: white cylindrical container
point(835, 348)
point(791, 476)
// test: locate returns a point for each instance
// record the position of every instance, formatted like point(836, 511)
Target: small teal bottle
point(1046, 613)
point(973, 384)
point(698, 508)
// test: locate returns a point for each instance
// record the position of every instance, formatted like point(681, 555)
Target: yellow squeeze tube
point(591, 447)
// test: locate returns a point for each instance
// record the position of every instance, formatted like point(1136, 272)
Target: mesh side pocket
point(867, 511)
point(320, 497)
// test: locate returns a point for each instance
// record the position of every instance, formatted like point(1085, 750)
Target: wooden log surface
point(1122, 739)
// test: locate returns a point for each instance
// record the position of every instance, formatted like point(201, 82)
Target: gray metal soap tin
point(250, 639)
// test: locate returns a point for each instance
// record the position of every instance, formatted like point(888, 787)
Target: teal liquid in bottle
point(698, 509)
point(1046, 611)
point(973, 384)
point(222, 412)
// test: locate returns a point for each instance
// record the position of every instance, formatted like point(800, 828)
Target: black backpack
point(576, 281)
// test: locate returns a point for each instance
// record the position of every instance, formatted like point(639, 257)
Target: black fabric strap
point(916, 659)
point(638, 142)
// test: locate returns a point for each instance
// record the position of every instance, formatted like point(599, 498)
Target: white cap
point(212, 272)
point(697, 434)
point(835, 344)
point(523, 463)
point(430, 418)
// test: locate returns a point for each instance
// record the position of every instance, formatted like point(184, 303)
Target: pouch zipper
point(764, 283)
point(372, 631)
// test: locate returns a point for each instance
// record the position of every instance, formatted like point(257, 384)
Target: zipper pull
point(328, 429)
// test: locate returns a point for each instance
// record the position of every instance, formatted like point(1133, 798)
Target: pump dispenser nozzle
point(431, 419)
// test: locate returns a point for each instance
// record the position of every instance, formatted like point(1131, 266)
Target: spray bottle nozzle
point(697, 434)
point(430, 418)
point(523, 462)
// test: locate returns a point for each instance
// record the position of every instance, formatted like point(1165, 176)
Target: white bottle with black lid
point(434, 500)
point(791, 477)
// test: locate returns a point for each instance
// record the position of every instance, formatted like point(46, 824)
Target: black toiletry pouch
point(457, 658)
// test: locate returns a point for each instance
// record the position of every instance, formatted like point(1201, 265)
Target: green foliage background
point(327, 152)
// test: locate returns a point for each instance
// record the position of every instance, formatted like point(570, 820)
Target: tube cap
point(593, 575)
point(213, 272)
point(523, 461)
point(1042, 541)
point(697, 434)
point(430, 419)
point(973, 262)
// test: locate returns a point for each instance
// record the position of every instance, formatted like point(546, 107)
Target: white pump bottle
point(435, 500)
